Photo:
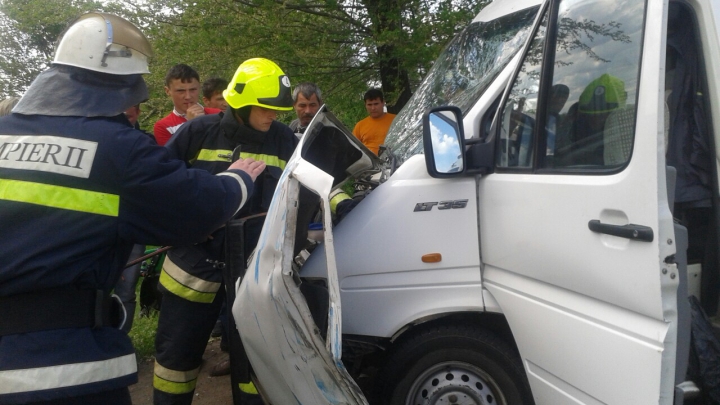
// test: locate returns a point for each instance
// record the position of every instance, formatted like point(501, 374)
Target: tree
point(344, 46)
point(388, 42)
point(28, 32)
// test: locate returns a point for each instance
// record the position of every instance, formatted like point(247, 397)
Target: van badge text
point(442, 205)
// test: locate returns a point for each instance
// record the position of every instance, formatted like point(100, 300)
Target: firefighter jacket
point(208, 143)
point(76, 194)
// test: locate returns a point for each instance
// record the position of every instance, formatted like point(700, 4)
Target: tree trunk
point(386, 23)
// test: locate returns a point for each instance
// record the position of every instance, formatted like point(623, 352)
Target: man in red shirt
point(182, 84)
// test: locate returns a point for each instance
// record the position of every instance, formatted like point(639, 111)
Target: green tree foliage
point(345, 46)
point(28, 32)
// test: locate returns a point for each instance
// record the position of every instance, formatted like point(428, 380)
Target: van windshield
point(460, 75)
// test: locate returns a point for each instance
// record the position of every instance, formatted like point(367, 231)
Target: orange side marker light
point(432, 258)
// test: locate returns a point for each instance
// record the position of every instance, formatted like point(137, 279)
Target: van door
point(575, 224)
point(294, 361)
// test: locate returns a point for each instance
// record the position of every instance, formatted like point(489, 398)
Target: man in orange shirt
point(371, 131)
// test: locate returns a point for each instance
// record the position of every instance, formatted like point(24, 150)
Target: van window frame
point(547, 67)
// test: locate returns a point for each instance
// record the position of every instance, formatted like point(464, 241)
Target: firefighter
point(191, 279)
point(78, 188)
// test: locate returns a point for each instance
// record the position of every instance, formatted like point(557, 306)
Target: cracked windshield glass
point(461, 74)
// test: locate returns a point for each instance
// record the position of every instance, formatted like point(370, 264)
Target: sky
point(446, 147)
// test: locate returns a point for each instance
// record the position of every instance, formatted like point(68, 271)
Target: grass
point(143, 330)
point(142, 334)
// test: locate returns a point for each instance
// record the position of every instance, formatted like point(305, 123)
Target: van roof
point(499, 8)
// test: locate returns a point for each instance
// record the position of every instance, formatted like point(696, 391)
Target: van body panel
point(604, 340)
point(397, 283)
point(591, 316)
point(500, 8)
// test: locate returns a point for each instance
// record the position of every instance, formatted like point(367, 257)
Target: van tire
point(454, 363)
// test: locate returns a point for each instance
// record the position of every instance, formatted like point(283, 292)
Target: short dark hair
point(374, 93)
point(213, 85)
point(183, 72)
point(307, 89)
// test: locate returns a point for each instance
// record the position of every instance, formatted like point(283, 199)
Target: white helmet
point(104, 43)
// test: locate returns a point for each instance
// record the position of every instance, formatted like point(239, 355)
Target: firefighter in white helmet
point(79, 186)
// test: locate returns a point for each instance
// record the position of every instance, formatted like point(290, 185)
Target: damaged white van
point(527, 233)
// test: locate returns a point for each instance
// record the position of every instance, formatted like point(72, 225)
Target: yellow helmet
point(259, 82)
point(603, 95)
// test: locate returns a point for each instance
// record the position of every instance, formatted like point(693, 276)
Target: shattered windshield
point(460, 75)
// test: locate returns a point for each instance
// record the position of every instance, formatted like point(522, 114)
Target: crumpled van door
point(292, 361)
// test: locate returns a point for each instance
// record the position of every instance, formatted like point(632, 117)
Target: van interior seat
point(619, 131)
point(618, 135)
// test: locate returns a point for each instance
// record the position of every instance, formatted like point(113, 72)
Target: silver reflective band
point(175, 376)
point(243, 188)
point(65, 375)
point(124, 311)
point(188, 280)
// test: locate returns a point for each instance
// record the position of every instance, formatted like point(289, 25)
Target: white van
point(522, 238)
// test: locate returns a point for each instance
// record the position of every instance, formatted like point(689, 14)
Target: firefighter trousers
point(183, 332)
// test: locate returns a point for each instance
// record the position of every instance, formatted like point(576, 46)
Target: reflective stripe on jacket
point(207, 143)
point(76, 194)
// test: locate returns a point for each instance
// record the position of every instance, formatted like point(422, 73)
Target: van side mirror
point(444, 142)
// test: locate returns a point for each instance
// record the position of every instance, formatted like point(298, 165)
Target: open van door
point(576, 232)
point(296, 359)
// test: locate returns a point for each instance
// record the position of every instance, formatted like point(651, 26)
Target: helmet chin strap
point(238, 114)
point(122, 53)
point(243, 115)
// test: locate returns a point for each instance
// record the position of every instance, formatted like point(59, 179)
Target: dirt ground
point(209, 390)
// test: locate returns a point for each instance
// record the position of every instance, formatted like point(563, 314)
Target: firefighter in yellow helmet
point(603, 95)
point(191, 280)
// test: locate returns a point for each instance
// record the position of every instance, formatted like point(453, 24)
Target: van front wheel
point(455, 365)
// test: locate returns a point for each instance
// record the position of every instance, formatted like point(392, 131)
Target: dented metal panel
point(292, 362)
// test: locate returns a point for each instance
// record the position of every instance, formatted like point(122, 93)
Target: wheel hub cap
point(455, 384)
